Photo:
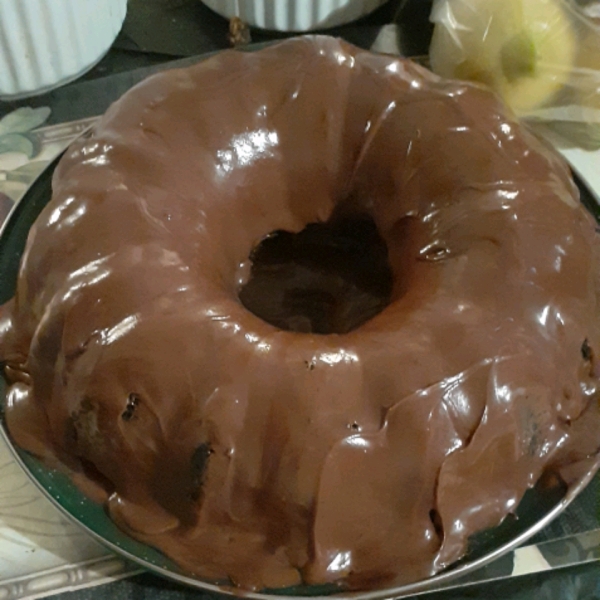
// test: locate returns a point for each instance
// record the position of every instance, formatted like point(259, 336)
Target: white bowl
point(47, 43)
point(294, 15)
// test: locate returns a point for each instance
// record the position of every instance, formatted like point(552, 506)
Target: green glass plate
point(535, 511)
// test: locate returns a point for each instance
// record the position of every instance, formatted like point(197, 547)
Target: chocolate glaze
point(270, 457)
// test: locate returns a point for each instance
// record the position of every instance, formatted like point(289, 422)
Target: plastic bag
point(541, 56)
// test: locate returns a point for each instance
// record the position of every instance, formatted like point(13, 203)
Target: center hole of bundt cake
point(329, 278)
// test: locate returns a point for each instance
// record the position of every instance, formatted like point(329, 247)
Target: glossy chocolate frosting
point(268, 457)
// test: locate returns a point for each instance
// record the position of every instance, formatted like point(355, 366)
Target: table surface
point(157, 32)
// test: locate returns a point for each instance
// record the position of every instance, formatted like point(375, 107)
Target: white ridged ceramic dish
point(294, 15)
point(47, 43)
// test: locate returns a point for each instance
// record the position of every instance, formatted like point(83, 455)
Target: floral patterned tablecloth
point(26, 148)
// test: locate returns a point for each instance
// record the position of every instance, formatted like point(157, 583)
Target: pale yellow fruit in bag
point(523, 49)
